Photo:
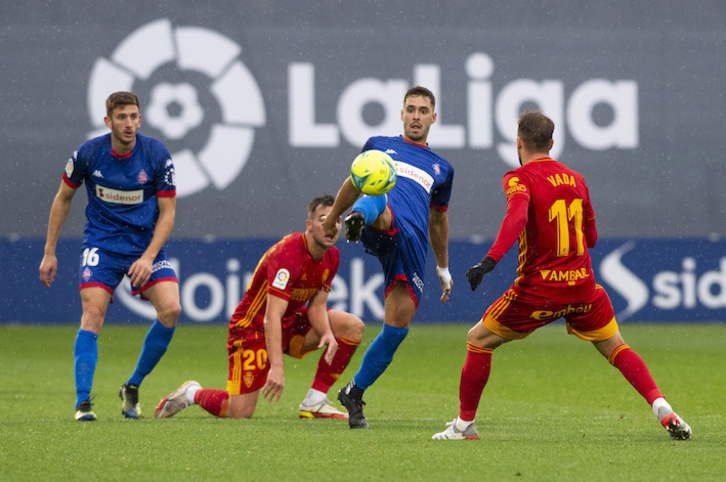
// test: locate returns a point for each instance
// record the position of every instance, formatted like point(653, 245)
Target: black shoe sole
point(354, 225)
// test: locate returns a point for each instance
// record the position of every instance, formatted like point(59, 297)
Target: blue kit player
point(130, 214)
point(397, 228)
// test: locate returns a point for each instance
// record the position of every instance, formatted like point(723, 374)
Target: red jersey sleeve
point(515, 220)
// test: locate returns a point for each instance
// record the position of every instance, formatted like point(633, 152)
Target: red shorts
point(247, 349)
point(512, 318)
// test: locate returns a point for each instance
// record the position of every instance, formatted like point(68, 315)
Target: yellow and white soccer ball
point(373, 172)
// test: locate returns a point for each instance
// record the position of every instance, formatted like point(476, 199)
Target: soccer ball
point(373, 172)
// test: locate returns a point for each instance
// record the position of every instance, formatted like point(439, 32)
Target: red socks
point(326, 374)
point(213, 401)
point(474, 377)
point(635, 371)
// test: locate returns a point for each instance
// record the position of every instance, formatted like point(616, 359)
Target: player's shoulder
point(382, 143)
point(92, 146)
point(153, 147)
point(333, 254)
point(292, 239)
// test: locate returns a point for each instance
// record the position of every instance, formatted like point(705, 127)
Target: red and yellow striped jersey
point(289, 272)
point(549, 210)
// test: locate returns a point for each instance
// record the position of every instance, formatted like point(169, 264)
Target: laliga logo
point(598, 114)
point(146, 59)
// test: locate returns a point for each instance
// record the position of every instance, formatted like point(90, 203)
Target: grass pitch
point(554, 409)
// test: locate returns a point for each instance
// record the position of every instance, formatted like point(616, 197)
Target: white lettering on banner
point(485, 110)
point(364, 292)
point(671, 290)
point(415, 174)
point(685, 289)
point(206, 296)
point(115, 196)
point(216, 297)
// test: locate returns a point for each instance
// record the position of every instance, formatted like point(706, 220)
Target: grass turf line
point(554, 409)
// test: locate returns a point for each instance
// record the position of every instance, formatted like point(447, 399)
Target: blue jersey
point(122, 192)
point(424, 181)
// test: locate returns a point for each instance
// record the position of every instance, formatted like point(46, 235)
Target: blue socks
point(370, 206)
point(155, 344)
point(85, 357)
point(379, 354)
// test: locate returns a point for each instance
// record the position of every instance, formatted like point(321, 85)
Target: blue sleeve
point(78, 166)
point(442, 192)
point(164, 179)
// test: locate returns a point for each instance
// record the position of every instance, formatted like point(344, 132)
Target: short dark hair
point(535, 129)
point(420, 91)
point(325, 200)
point(117, 99)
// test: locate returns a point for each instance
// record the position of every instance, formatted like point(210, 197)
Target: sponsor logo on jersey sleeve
point(514, 187)
point(69, 168)
point(281, 279)
point(115, 196)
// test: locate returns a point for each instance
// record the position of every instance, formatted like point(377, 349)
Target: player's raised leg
point(365, 211)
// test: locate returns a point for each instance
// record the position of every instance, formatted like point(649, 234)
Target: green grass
point(553, 410)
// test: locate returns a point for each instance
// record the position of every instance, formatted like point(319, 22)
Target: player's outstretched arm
point(512, 225)
point(58, 214)
point(346, 197)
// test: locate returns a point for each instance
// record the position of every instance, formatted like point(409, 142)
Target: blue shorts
point(402, 255)
point(106, 270)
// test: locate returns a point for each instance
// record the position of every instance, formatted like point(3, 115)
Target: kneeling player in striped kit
point(284, 310)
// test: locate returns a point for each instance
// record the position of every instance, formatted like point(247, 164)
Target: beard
point(420, 136)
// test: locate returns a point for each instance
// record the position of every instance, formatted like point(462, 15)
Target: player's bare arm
point(141, 269)
point(58, 214)
point(319, 320)
point(439, 237)
point(346, 197)
point(276, 307)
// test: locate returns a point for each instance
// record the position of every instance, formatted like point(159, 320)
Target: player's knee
point(355, 328)
point(92, 319)
point(347, 325)
point(473, 335)
point(479, 335)
point(239, 409)
point(169, 314)
point(240, 414)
